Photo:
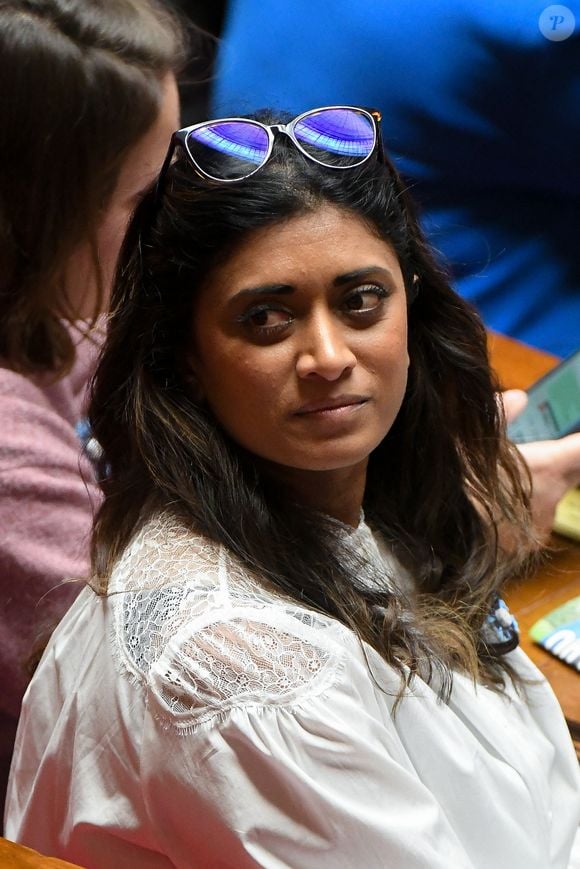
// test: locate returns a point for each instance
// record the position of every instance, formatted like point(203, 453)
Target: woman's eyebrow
point(339, 280)
point(286, 289)
point(264, 290)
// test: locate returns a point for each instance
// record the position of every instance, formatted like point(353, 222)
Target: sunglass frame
point(180, 137)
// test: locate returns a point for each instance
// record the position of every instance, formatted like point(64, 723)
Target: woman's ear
point(413, 289)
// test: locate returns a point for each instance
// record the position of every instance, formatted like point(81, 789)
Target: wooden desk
point(13, 856)
point(558, 580)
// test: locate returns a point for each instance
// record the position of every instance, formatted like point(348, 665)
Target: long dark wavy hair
point(440, 486)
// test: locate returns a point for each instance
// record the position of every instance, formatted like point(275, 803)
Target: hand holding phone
point(553, 408)
point(544, 431)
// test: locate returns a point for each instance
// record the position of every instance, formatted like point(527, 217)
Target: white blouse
point(194, 717)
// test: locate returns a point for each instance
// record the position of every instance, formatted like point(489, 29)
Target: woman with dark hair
point(294, 651)
point(87, 103)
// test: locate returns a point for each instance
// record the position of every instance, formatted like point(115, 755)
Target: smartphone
point(553, 408)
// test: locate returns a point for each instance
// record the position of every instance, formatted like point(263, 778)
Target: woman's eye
point(365, 300)
point(265, 320)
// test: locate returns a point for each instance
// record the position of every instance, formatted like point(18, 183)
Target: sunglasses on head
point(231, 149)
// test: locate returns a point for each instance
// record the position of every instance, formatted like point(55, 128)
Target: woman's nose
point(324, 351)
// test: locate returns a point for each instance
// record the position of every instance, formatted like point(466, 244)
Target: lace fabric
point(239, 663)
point(203, 636)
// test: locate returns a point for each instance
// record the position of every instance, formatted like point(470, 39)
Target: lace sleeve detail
point(201, 635)
point(259, 659)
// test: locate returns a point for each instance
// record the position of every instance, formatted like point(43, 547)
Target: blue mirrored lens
point(228, 149)
point(346, 135)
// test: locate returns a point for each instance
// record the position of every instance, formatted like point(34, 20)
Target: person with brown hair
point(293, 651)
point(87, 103)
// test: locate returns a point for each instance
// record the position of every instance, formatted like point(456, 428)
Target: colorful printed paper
point(559, 632)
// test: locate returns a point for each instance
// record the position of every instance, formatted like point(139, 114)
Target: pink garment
point(48, 496)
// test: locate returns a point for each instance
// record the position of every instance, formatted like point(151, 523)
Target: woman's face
point(300, 341)
point(138, 171)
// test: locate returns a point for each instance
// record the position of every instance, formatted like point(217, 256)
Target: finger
point(567, 456)
point(514, 401)
point(555, 459)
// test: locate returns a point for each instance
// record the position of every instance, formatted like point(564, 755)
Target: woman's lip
point(331, 404)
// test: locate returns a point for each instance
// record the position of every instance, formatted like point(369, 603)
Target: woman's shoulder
point(167, 559)
point(39, 399)
point(41, 461)
point(165, 551)
point(168, 556)
point(17, 389)
point(37, 414)
point(203, 635)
